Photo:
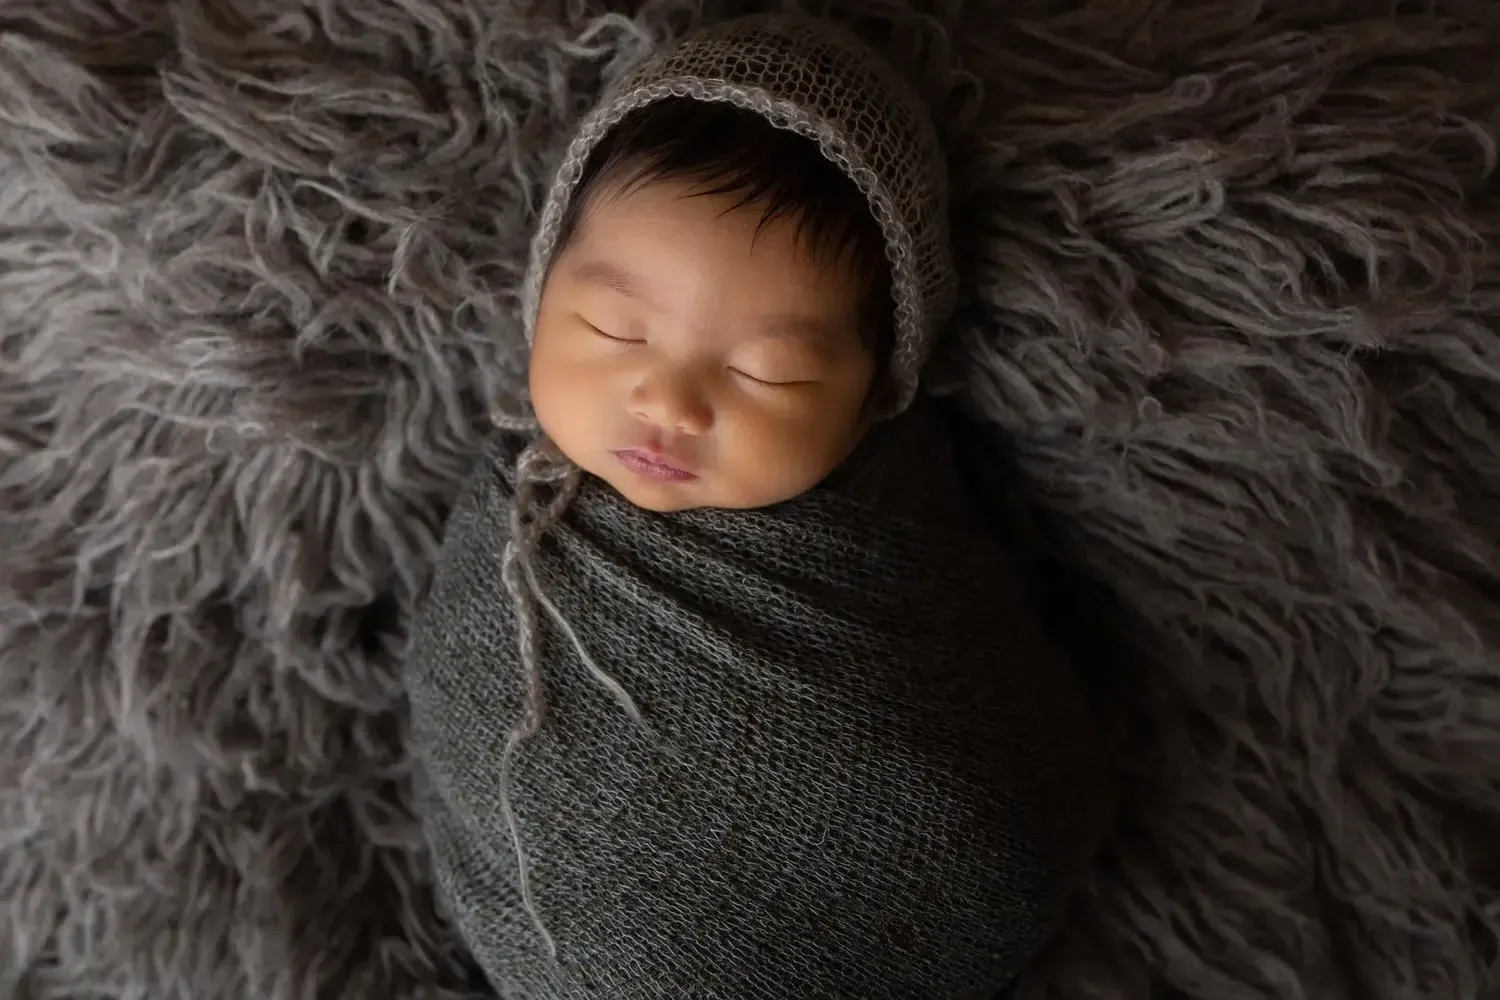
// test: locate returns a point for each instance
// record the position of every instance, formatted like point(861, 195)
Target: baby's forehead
point(676, 226)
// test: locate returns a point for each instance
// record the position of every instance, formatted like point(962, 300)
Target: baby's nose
point(673, 403)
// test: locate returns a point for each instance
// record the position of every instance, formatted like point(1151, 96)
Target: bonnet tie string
point(540, 466)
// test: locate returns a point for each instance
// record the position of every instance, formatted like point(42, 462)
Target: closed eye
point(610, 336)
point(767, 382)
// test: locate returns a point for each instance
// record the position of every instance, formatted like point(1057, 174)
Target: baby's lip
point(655, 463)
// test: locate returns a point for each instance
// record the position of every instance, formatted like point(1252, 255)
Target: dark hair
point(730, 151)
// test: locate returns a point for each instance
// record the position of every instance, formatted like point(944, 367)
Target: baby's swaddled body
point(860, 771)
point(722, 691)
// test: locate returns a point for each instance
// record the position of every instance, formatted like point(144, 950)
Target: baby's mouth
point(654, 465)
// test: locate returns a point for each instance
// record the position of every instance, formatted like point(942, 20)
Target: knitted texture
point(861, 773)
point(824, 83)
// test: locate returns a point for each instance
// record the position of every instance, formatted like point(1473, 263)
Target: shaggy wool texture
point(1232, 274)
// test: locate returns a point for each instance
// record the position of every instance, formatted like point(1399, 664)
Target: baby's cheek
point(774, 460)
point(564, 403)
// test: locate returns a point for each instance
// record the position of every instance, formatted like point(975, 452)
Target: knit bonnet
point(822, 82)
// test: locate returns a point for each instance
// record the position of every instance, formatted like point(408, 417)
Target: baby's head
point(716, 322)
point(741, 265)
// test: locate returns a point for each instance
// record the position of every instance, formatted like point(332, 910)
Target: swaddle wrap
point(831, 757)
point(860, 772)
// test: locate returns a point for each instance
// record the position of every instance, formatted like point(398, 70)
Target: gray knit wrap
point(860, 773)
point(824, 83)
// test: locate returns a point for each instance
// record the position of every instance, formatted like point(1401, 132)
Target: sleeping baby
point(723, 688)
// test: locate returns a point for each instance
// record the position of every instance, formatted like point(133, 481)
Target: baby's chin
point(658, 496)
point(664, 498)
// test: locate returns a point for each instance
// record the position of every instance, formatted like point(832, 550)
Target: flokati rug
point(1233, 280)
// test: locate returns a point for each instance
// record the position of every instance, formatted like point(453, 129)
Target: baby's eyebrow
point(776, 326)
point(613, 277)
point(794, 327)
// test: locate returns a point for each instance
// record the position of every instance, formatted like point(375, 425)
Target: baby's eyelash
point(610, 336)
point(761, 381)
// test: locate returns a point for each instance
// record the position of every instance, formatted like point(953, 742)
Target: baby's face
point(690, 361)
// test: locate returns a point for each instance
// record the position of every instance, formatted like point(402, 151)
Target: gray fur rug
point(1234, 274)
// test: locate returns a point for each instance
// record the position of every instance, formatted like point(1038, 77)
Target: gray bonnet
point(821, 81)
